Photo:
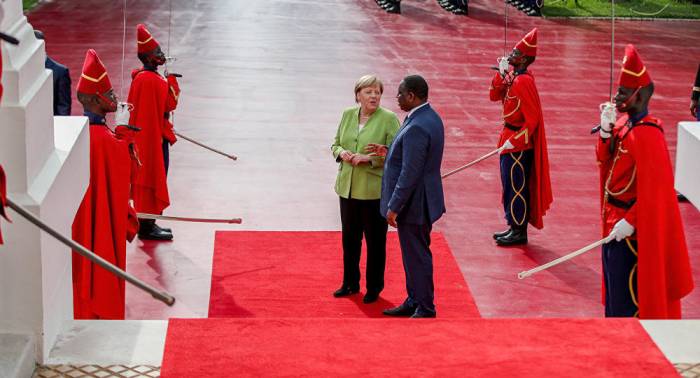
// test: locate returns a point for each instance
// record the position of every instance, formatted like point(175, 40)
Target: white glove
point(122, 115)
point(506, 146)
point(608, 116)
point(503, 65)
point(622, 230)
point(169, 60)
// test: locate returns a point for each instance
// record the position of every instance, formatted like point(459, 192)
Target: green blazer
point(363, 182)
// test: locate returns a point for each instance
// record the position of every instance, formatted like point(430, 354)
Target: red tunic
point(638, 172)
point(152, 96)
point(524, 127)
point(3, 198)
point(101, 226)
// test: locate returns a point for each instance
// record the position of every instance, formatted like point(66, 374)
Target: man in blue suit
point(412, 198)
point(61, 83)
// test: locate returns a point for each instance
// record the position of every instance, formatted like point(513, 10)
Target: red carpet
point(293, 274)
point(402, 347)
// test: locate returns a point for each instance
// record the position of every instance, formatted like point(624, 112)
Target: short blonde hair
point(368, 81)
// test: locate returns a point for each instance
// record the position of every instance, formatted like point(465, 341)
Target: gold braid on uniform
point(631, 278)
point(518, 191)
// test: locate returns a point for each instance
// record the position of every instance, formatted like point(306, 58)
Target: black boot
point(501, 234)
point(515, 237)
point(164, 229)
point(149, 231)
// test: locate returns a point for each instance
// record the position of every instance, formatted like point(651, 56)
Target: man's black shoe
point(501, 234)
point(370, 297)
point(516, 237)
point(401, 310)
point(418, 315)
point(344, 291)
point(155, 234)
point(395, 8)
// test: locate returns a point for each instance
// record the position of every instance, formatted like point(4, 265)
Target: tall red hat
point(144, 40)
point(634, 73)
point(94, 78)
point(528, 45)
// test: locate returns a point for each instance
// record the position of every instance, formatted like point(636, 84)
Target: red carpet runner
point(407, 347)
point(293, 274)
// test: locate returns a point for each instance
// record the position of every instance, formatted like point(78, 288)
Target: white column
point(46, 159)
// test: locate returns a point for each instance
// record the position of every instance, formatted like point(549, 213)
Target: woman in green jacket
point(359, 184)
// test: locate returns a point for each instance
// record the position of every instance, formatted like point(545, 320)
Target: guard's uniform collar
point(638, 117)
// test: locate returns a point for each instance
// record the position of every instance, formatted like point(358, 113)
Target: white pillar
point(687, 156)
point(46, 159)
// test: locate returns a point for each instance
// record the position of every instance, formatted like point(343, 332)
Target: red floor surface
point(292, 274)
point(268, 79)
point(403, 348)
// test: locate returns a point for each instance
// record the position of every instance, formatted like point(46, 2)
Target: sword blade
point(452, 172)
point(200, 144)
point(528, 273)
point(188, 219)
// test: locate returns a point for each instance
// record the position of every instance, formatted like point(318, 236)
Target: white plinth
point(687, 158)
point(35, 275)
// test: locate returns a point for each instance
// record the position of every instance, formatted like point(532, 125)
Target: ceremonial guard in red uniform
point(103, 221)
point(646, 269)
point(153, 97)
point(527, 192)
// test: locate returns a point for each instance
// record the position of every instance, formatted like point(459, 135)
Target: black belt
point(511, 127)
point(620, 203)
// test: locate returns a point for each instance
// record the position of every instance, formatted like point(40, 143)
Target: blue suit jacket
point(412, 186)
point(61, 87)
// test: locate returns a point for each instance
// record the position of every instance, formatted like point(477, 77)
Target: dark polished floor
point(267, 80)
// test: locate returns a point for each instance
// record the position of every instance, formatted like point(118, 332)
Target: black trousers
point(166, 155)
point(358, 218)
point(515, 177)
point(147, 225)
point(620, 275)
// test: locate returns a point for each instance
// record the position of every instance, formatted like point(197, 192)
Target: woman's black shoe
point(370, 297)
point(345, 291)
